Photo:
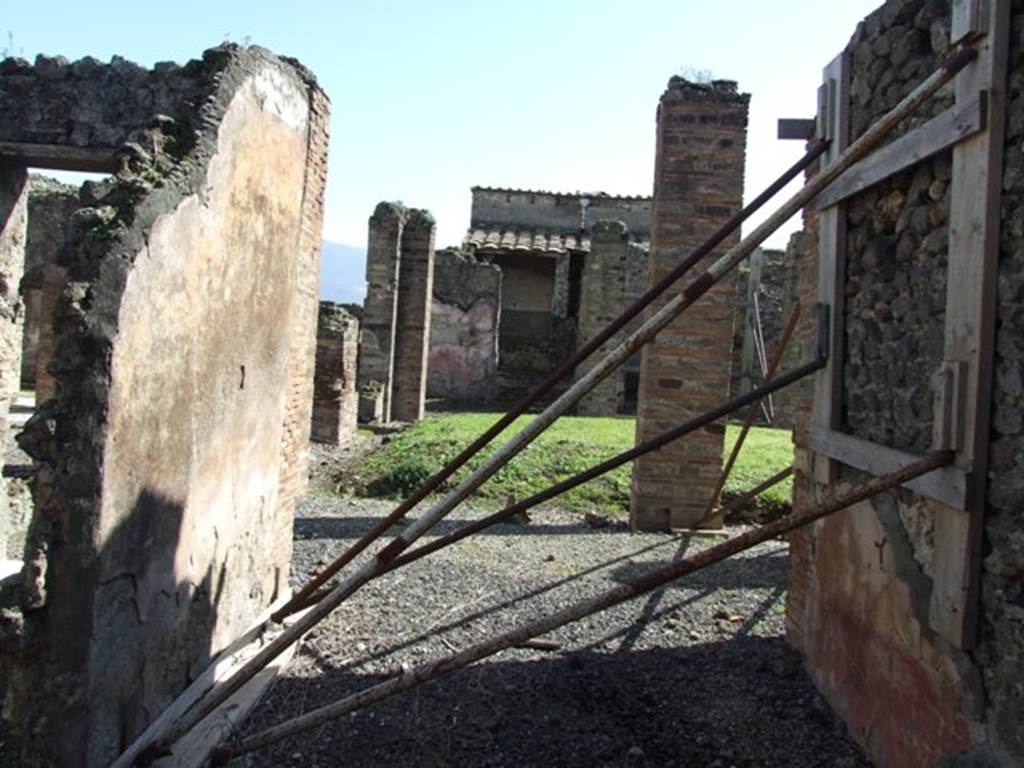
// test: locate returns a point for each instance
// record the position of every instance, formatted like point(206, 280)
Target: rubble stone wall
point(335, 399)
point(861, 582)
point(168, 460)
point(557, 212)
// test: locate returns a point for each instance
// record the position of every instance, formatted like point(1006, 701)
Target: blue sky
point(429, 99)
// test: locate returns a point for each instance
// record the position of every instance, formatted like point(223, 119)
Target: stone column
point(412, 325)
point(698, 185)
point(383, 256)
point(602, 299)
point(334, 386)
point(53, 279)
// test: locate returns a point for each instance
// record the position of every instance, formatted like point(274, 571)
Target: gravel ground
point(695, 674)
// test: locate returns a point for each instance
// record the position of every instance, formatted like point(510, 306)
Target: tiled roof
point(505, 239)
point(498, 238)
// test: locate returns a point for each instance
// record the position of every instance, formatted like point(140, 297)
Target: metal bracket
point(949, 386)
point(823, 340)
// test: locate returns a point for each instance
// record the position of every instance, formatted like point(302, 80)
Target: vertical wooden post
point(970, 311)
point(834, 125)
point(747, 351)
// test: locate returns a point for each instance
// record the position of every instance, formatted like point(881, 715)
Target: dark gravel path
point(696, 674)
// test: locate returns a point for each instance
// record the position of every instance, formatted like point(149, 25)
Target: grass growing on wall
point(570, 446)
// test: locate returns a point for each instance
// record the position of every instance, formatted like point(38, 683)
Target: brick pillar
point(383, 256)
point(602, 299)
point(334, 383)
point(412, 325)
point(698, 185)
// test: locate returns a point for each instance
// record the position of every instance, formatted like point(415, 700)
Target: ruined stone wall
point(464, 328)
point(412, 317)
point(776, 294)
point(50, 205)
point(392, 375)
point(614, 276)
point(168, 460)
point(335, 400)
point(861, 583)
point(698, 185)
point(555, 211)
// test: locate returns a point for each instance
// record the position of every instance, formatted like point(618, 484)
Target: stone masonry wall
point(609, 285)
point(776, 299)
point(412, 317)
point(464, 328)
point(701, 137)
point(556, 211)
point(50, 205)
point(383, 257)
point(168, 461)
point(860, 583)
point(335, 400)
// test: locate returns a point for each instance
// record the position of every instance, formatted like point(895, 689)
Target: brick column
point(383, 256)
point(698, 185)
point(334, 383)
point(412, 324)
point(602, 299)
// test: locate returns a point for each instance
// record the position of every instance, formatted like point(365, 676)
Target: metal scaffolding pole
point(675, 306)
point(631, 589)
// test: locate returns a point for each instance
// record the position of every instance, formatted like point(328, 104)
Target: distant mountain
point(342, 272)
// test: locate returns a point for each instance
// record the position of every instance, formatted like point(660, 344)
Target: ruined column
point(383, 256)
point(602, 299)
point(698, 185)
point(335, 398)
point(412, 319)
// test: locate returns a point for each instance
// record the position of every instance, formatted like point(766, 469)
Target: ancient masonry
point(392, 376)
point(556, 291)
point(335, 399)
point(908, 608)
point(169, 458)
point(50, 205)
point(698, 185)
point(465, 318)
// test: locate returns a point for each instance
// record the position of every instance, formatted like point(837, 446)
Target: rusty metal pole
point(676, 432)
point(634, 588)
point(545, 387)
point(758, 489)
point(870, 140)
point(748, 422)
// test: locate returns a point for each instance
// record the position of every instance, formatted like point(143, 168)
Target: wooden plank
point(974, 214)
point(230, 659)
point(833, 117)
point(59, 157)
point(941, 132)
point(796, 128)
point(949, 485)
point(968, 20)
point(195, 747)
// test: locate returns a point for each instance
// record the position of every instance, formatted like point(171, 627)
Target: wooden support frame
point(974, 128)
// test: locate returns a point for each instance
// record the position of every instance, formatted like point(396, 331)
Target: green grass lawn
point(571, 445)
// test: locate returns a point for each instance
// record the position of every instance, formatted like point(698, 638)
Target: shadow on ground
point(740, 702)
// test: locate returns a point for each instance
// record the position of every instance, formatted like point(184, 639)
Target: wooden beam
point(236, 654)
point(60, 157)
point(796, 128)
point(834, 123)
point(949, 485)
point(941, 132)
point(974, 220)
